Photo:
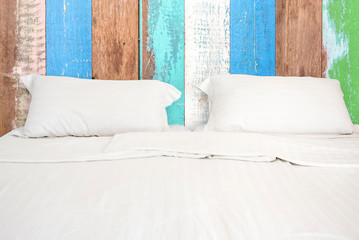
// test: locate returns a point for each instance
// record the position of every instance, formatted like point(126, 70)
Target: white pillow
point(63, 106)
point(276, 104)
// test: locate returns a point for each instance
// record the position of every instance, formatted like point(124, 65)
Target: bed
point(179, 185)
point(259, 169)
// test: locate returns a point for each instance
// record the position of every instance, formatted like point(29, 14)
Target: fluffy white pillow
point(276, 104)
point(63, 106)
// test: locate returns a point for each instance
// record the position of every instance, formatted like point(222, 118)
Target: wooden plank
point(298, 38)
point(115, 39)
point(162, 48)
point(68, 38)
point(22, 51)
point(341, 49)
point(207, 52)
point(253, 37)
point(31, 50)
point(7, 63)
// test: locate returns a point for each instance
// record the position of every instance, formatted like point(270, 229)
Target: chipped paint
point(30, 53)
point(253, 37)
point(69, 37)
point(207, 52)
point(340, 40)
point(163, 43)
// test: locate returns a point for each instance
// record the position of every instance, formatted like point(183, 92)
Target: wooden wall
point(181, 42)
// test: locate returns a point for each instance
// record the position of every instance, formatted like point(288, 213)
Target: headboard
point(181, 42)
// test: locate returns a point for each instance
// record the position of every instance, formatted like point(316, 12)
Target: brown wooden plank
point(299, 38)
point(115, 39)
point(148, 55)
point(7, 64)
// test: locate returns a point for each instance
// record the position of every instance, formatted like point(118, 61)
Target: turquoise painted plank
point(68, 38)
point(253, 37)
point(163, 39)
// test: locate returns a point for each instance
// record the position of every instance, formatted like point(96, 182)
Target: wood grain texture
point(115, 39)
point(207, 52)
point(341, 49)
point(253, 37)
point(68, 38)
point(298, 38)
point(31, 50)
point(7, 63)
point(22, 51)
point(162, 48)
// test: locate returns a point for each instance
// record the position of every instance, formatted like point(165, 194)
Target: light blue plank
point(165, 43)
point(68, 38)
point(253, 37)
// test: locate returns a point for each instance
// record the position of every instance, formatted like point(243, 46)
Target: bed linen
point(57, 188)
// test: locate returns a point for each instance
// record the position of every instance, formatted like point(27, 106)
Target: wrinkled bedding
point(180, 185)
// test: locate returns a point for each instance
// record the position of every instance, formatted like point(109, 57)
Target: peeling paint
point(164, 47)
point(69, 36)
point(340, 39)
point(207, 52)
point(30, 54)
point(253, 37)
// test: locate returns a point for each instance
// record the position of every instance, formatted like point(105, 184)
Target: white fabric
point(276, 104)
point(63, 106)
point(177, 198)
point(306, 150)
point(197, 193)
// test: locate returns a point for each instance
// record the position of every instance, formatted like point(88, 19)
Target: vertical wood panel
point(207, 51)
point(162, 53)
point(115, 39)
point(253, 37)
point(68, 38)
point(341, 49)
point(298, 38)
point(7, 63)
point(22, 51)
point(31, 50)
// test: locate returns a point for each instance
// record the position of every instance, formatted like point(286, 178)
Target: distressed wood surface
point(115, 39)
point(341, 49)
point(31, 50)
point(7, 63)
point(253, 37)
point(22, 51)
point(162, 48)
point(68, 38)
point(207, 52)
point(298, 38)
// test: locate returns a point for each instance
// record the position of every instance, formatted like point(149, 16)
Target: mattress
point(180, 185)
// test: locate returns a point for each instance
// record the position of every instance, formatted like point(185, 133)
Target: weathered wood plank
point(341, 49)
point(7, 63)
point(207, 51)
point(298, 38)
point(115, 39)
point(31, 50)
point(22, 51)
point(68, 38)
point(253, 37)
point(162, 53)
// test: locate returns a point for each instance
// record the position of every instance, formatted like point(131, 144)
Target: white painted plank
point(207, 52)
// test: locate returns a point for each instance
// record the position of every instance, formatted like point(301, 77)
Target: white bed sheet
point(189, 196)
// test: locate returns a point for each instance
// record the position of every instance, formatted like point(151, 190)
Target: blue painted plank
point(253, 37)
point(162, 40)
point(68, 38)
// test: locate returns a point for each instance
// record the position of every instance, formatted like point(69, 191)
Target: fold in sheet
point(306, 150)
